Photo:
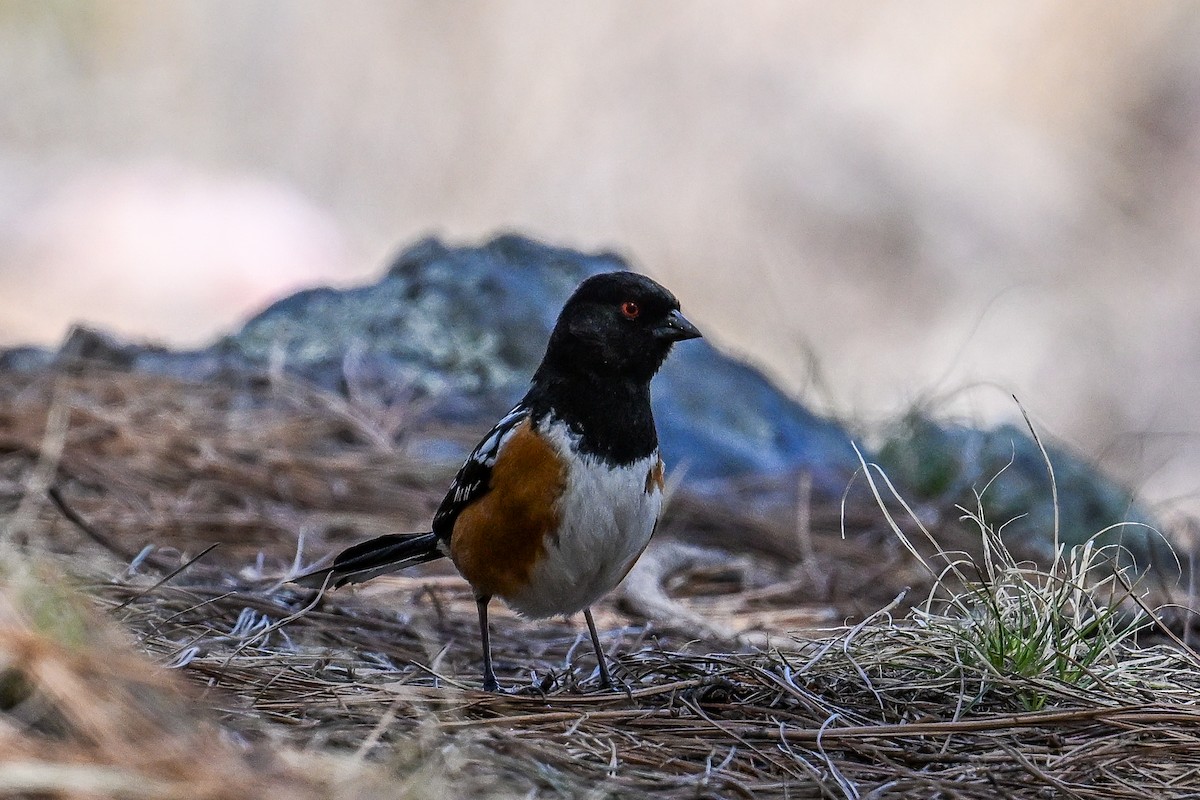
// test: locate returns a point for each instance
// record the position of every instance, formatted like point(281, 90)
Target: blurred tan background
point(880, 203)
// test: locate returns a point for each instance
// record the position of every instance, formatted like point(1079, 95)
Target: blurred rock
point(97, 347)
point(463, 328)
point(468, 325)
point(26, 359)
point(1001, 472)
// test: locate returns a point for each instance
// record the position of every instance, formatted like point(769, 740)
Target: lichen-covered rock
point(948, 464)
point(469, 321)
point(468, 325)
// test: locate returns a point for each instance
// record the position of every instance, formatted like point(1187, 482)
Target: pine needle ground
point(136, 663)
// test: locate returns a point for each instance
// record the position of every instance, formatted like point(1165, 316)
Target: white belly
point(607, 517)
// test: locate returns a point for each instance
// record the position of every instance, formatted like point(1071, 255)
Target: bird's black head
point(616, 324)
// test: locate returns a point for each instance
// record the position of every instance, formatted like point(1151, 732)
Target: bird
point(557, 502)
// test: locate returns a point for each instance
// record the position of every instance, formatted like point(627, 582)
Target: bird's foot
point(608, 683)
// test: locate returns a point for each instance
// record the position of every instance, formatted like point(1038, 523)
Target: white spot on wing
point(485, 452)
point(475, 473)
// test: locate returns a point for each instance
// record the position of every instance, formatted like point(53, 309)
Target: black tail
point(377, 556)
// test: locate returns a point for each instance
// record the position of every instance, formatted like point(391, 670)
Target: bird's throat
point(613, 418)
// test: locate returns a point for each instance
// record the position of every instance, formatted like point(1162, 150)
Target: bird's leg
point(489, 675)
point(605, 678)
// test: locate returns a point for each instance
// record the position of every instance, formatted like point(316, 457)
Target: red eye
point(630, 310)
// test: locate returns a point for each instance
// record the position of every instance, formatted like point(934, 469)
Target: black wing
point(474, 479)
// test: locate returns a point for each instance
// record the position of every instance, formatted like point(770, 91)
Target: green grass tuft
point(1017, 627)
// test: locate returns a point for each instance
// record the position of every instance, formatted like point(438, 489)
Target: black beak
point(676, 328)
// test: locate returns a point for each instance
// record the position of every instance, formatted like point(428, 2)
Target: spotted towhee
point(554, 506)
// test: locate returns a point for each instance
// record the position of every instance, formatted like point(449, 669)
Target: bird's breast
point(605, 517)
